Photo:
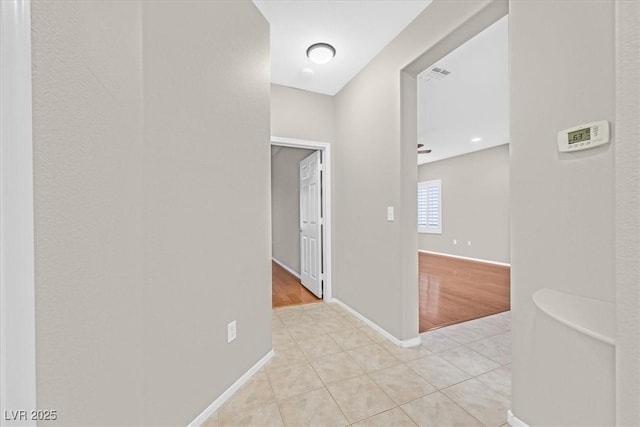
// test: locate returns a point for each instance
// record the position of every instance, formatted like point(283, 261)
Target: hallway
point(330, 369)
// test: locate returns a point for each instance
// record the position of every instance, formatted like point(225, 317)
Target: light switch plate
point(231, 331)
point(390, 213)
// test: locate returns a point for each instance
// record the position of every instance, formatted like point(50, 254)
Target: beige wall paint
point(207, 195)
point(627, 220)
point(300, 114)
point(138, 262)
point(562, 208)
point(88, 190)
point(475, 205)
point(285, 204)
point(375, 261)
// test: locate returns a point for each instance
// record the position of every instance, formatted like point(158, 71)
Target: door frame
point(325, 148)
point(17, 290)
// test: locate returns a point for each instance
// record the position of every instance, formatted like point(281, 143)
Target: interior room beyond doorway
point(463, 182)
point(301, 222)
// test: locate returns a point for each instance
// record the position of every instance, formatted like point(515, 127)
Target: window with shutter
point(430, 207)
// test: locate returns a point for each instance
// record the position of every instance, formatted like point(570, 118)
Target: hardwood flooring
point(286, 289)
point(454, 290)
point(451, 290)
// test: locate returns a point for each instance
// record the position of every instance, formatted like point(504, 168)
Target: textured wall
point(627, 181)
point(475, 205)
point(206, 121)
point(562, 208)
point(285, 205)
point(145, 200)
point(88, 154)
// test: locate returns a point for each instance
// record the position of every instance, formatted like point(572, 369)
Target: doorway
point(296, 236)
point(463, 181)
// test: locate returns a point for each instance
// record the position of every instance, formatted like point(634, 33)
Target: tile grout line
point(274, 397)
point(308, 359)
point(344, 350)
point(320, 378)
point(401, 363)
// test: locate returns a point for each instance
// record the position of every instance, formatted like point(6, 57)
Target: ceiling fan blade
point(420, 145)
point(424, 151)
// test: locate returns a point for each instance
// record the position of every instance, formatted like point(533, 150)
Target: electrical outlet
point(455, 241)
point(468, 242)
point(231, 331)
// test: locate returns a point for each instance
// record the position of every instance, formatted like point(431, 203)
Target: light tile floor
point(331, 370)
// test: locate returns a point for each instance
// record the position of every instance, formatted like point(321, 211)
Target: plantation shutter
point(430, 207)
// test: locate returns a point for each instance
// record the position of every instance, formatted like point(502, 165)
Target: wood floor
point(287, 290)
point(454, 290)
point(451, 290)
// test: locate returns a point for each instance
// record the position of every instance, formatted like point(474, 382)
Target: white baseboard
point(515, 421)
point(286, 267)
point(486, 261)
point(400, 343)
point(204, 416)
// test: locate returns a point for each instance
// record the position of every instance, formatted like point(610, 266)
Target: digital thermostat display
point(583, 137)
point(579, 136)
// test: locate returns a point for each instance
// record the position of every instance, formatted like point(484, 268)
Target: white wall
point(475, 205)
point(285, 204)
point(562, 208)
point(138, 269)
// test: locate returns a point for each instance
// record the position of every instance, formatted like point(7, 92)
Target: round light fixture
point(321, 53)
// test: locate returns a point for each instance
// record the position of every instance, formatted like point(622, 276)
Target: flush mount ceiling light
point(321, 53)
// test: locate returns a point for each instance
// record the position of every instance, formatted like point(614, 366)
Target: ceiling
point(358, 29)
point(471, 102)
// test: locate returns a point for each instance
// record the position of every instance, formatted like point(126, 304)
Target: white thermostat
point(583, 137)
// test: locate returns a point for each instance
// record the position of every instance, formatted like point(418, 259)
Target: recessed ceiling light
point(321, 53)
point(476, 139)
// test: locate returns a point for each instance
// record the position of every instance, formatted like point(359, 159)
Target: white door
point(310, 224)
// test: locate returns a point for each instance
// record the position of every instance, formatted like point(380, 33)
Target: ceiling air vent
point(436, 73)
